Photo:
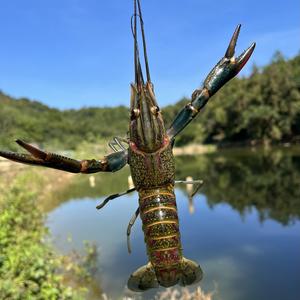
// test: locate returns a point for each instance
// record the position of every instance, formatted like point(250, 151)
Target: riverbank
point(30, 268)
point(91, 150)
point(194, 149)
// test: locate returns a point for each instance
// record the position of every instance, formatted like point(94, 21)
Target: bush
point(28, 265)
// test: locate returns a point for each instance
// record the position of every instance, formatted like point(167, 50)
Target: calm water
point(244, 231)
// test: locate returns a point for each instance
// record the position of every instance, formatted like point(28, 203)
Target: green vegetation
point(29, 267)
point(35, 122)
point(262, 108)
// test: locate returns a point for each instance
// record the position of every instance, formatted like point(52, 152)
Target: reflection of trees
point(79, 188)
point(268, 181)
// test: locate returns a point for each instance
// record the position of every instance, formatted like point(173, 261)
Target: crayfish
point(148, 152)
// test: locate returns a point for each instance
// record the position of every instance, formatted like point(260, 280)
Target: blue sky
point(75, 53)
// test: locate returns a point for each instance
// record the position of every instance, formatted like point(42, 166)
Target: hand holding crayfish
point(149, 155)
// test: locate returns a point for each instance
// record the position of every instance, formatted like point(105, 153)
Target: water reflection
point(80, 187)
point(265, 180)
point(242, 191)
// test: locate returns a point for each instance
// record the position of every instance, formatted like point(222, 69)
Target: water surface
point(244, 230)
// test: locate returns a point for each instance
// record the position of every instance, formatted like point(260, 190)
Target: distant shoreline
point(193, 149)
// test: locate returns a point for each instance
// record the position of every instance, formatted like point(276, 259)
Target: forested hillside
point(262, 108)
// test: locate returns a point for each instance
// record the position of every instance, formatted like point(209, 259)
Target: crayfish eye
point(154, 110)
point(135, 113)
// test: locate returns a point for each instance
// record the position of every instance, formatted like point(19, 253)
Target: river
point(243, 227)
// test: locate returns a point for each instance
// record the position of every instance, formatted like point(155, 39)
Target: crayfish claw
point(243, 58)
point(33, 150)
point(231, 47)
point(20, 157)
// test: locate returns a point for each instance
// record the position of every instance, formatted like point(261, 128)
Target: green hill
point(262, 108)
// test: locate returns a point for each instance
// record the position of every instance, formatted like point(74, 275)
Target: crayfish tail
point(191, 272)
point(143, 279)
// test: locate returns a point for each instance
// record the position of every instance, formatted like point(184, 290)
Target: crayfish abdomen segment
point(161, 230)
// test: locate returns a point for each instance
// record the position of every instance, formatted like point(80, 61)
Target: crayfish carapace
point(148, 152)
